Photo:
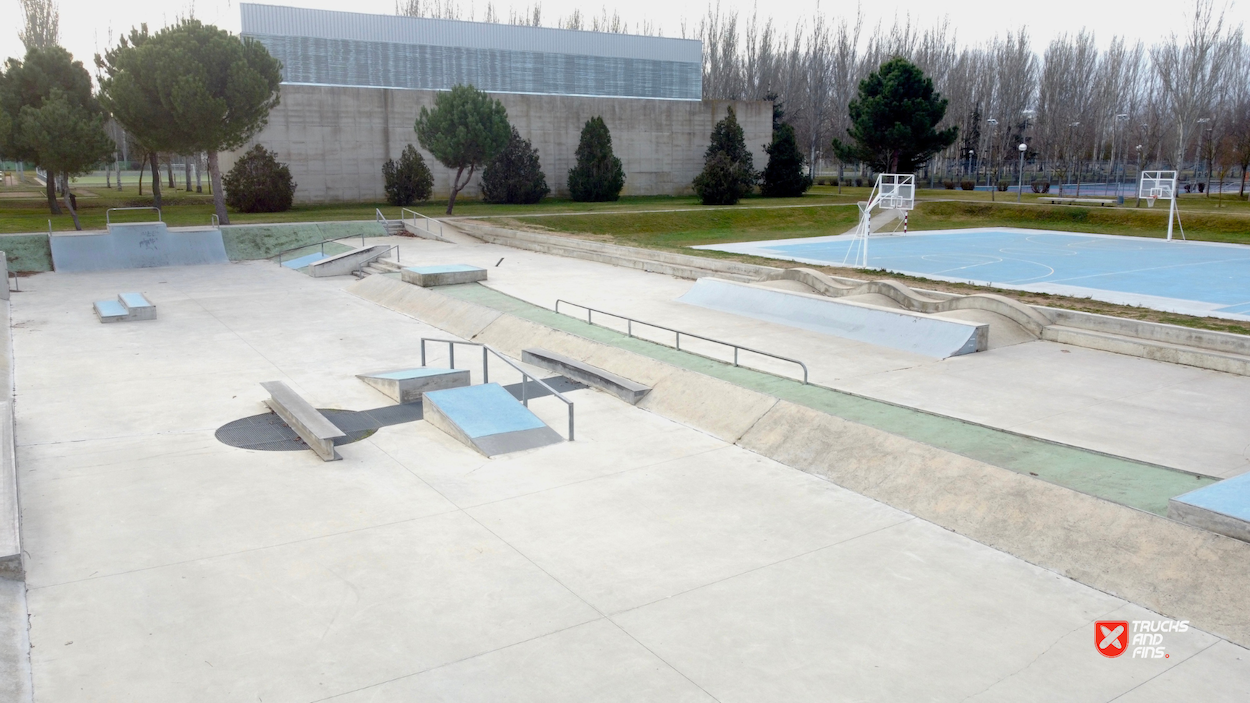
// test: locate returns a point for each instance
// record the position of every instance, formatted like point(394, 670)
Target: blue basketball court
point(1200, 278)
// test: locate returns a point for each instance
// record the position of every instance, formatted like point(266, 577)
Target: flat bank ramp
point(898, 329)
point(135, 246)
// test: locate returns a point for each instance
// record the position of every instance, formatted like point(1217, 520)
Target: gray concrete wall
point(335, 139)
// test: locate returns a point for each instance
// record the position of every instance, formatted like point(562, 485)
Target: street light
point(992, 122)
point(1198, 156)
point(1023, 148)
point(1139, 175)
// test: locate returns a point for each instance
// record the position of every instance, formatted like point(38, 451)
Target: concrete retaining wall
point(1174, 569)
point(335, 139)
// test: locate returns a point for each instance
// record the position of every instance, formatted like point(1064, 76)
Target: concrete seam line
point(757, 421)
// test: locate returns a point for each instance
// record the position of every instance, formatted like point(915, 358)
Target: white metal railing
point(322, 243)
point(486, 352)
point(424, 223)
point(108, 213)
point(378, 216)
point(629, 330)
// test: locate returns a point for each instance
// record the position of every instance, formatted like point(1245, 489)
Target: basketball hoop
point(1150, 200)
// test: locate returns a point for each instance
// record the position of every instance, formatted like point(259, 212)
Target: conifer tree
point(784, 177)
point(409, 180)
point(515, 176)
point(728, 167)
point(598, 175)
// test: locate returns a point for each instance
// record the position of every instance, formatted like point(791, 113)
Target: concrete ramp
point(1222, 507)
point(137, 245)
point(897, 329)
point(487, 418)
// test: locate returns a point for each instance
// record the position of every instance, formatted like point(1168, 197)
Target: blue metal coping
point(1229, 497)
point(111, 308)
point(484, 410)
point(135, 300)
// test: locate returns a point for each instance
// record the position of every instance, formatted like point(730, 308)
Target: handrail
point(629, 330)
point(428, 220)
point(107, 213)
point(322, 243)
point(374, 257)
point(378, 216)
point(525, 376)
point(214, 221)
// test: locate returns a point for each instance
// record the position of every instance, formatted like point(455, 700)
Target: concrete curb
point(1216, 351)
point(1166, 566)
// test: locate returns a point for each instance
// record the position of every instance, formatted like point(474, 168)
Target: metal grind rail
point(678, 334)
point(486, 352)
point(323, 245)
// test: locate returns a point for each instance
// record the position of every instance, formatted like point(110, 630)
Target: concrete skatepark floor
point(645, 561)
point(1197, 278)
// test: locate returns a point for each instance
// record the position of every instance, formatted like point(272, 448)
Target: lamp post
point(1023, 148)
point(1198, 155)
point(992, 122)
point(1139, 176)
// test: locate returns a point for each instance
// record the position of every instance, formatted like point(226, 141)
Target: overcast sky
point(86, 25)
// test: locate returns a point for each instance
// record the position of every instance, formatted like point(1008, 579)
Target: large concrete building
point(353, 85)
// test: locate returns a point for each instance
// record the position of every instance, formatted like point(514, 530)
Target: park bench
point(311, 426)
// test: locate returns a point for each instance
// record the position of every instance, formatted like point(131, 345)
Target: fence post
point(485, 365)
point(423, 352)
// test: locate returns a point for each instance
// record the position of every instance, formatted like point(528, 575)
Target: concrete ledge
point(569, 367)
point(343, 264)
point(312, 427)
point(1222, 507)
point(1175, 569)
point(445, 275)
point(10, 508)
point(1149, 349)
point(408, 385)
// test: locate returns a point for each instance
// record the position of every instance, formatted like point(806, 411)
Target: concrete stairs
point(393, 228)
point(378, 266)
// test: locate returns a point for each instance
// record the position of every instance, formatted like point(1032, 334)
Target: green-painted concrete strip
point(1139, 485)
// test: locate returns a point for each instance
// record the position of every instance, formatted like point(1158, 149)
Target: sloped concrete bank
point(1217, 351)
point(1172, 568)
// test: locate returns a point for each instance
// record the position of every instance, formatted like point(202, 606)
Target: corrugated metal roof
point(273, 20)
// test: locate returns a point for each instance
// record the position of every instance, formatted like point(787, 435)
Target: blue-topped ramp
point(442, 275)
point(137, 245)
point(1194, 278)
point(898, 329)
point(488, 419)
point(1222, 507)
point(408, 385)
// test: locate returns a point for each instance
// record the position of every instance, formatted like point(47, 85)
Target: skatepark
point(280, 485)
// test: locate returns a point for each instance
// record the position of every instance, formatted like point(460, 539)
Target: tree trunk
point(456, 186)
point(156, 178)
point(219, 197)
point(53, 207)
point(198, 186)
point(186, 164)
point(169, 170)
point(69, 202)
point(1242, 193)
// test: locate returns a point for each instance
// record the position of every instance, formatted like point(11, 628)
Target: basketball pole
point(1171, 212)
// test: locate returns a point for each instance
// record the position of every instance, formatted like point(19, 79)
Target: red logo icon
point(1111, 637)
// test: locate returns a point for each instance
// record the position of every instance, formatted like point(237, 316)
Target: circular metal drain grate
point(269, 433)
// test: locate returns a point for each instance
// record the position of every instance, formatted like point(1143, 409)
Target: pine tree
point(728, 168)
point(894, 119)
point(784, 177)
point(598, 175)
point(515, 176)
point(464, 131)
point(408, 181)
